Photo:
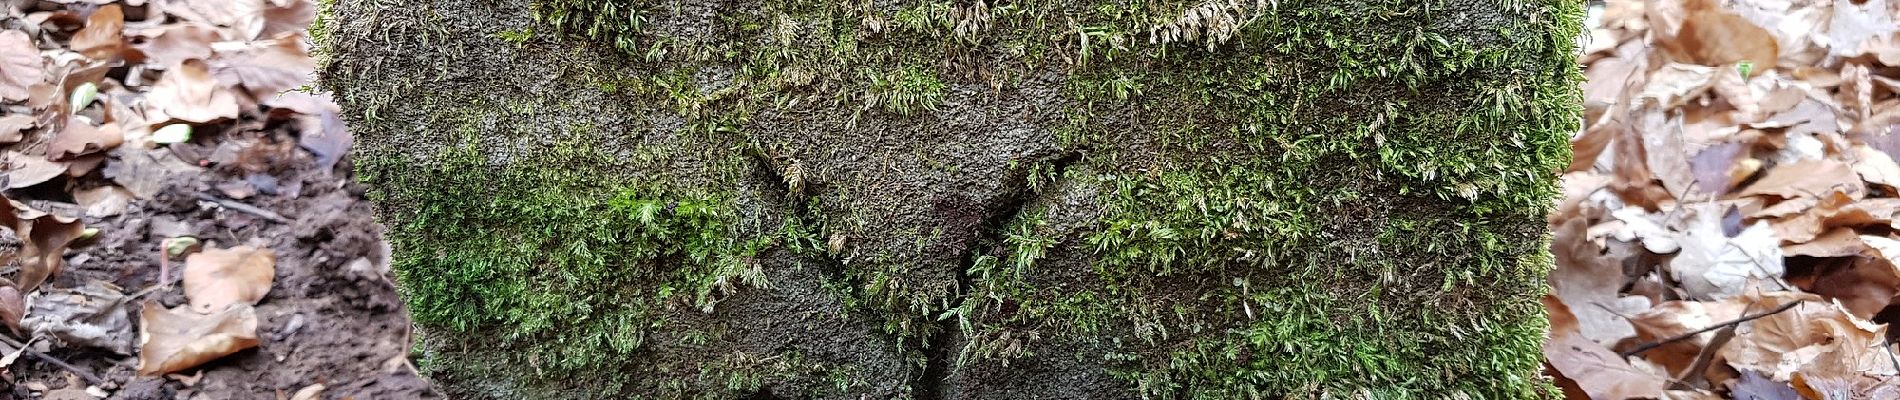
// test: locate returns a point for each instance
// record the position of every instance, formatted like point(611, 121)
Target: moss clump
point(1341, 198)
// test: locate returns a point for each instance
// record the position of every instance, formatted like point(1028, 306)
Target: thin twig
point(1651, 346)
point(83, 374)
point(245, 208)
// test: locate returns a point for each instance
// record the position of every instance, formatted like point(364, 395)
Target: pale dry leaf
point(1808, 178)
point(241, 19)
point(81, 138)
point(1713, 265)
point(1838, 242)
point(215, 277)
point(1853, 25)
point(12, 306)
point(283, 16)
point(188, 92)
point(104, 35)
point(103, 201)
point(179, 339)
point(24, 170)
point(93, 315)
point(1677, 83)
point(1589, 281)
point(1597, 370)
point(176, 43)
point(1876, 167)
point(20, 65)
point(1816, 336)
point(144, 171)
point(13, 126)
point(265, 68)
point(312, 392)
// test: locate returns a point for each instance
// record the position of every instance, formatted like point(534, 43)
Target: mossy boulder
point(965, 199)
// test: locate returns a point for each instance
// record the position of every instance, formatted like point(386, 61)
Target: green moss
point(1341, 199)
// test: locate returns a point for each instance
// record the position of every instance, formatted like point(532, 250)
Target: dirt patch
point(271, 172)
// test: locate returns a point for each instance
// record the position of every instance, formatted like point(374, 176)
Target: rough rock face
point(965, 199)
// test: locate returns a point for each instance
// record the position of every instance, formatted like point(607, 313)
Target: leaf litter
point(1729, 226)
point(137, 135)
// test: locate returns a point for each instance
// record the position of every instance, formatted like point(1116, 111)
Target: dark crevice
point(940, 353)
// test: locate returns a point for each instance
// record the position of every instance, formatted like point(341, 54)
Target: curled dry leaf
point(95, 315)
point(1814, 337)
point(104, 35)
point(188, 92)
point(215, 278)
point(80, 138)
point(172, 340)
point(19, 65)
point(43, 240)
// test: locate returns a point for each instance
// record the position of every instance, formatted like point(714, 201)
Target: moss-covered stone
point(1037, 199)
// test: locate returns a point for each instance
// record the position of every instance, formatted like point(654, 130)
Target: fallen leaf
point(24, 170)
point(104, 35)
point(1807, 178)
point(12, 126)
point(216, 277)
point(179, 339)
point(1814, 337)
point(1590, 281)
point(145, 171)
point(20, 65)
point(103, 201)
point(1855, 24)
point(282, 16)
point(93, 315)
point(265, 68)
point(1712, 265)
point(188, 92)
point(1713, 36)
point(312, 392)
point(81, 138)
point(1601, 373)
point(43, 238)
point(1839, 242)
point(177, 43)
point(12, 306)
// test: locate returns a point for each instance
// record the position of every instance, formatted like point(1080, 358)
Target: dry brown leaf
point(1816, 336)
point(43, 241)
point(283, 16)
point(265, 68)
point(1675, 318)
point(178, 339)
point(177, 43)
point(20, 65)
point(1876, 167)
point(12, 307)
point(1601, 373)
point(241, 19)
point(215, 278)
point(12, 126)
point(144, 171)
point(1710, 35)
point(1590, 281)
point(188, 92)
point(80, 138)
point(103, 38)
point(24, 170)
point(1839, 242)
point(1808, 178)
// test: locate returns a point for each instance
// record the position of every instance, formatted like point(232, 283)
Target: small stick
point(1651, 346)
point(245, 208)
point(83, 374)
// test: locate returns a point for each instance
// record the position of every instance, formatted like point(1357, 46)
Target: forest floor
point(181, 216)
point(1728, 228)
